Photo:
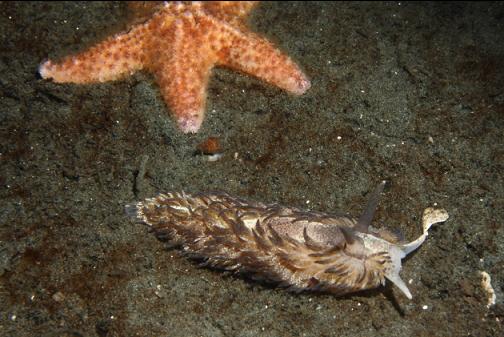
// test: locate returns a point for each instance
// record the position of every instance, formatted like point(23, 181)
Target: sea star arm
point(254, 55)
point(183, 76)
point(233, 12)
point(109, 60)
point(183, 88)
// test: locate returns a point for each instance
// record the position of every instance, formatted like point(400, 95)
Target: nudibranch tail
point(134, 211)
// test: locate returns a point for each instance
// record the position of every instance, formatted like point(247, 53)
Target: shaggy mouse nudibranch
point(296, 249)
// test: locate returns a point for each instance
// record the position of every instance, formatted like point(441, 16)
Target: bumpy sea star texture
point(180, 45)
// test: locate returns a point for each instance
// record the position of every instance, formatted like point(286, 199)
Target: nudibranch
point(296, 249)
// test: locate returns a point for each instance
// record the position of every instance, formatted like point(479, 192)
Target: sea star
point(180, 45)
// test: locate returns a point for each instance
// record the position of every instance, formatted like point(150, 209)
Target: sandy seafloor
point(407, 92)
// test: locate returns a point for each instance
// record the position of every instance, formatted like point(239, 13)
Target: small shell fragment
point(296, 249)
point(210, 146)
point(486, 283)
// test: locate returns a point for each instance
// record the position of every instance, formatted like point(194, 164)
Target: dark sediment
point(410, 92)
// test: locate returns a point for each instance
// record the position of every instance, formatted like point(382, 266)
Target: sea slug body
point(296, 249)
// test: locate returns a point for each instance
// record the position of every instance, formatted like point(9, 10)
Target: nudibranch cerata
point(296, 249)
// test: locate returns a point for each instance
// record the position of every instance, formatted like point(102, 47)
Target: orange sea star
point(180, 45)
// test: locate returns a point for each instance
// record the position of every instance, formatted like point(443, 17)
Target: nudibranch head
point(398, 251)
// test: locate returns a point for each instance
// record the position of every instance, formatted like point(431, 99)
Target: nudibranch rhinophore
point(296, 249)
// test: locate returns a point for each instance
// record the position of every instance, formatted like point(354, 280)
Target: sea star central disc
point(180, 45)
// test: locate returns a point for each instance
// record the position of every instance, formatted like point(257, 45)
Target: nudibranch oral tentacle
point(296, 249)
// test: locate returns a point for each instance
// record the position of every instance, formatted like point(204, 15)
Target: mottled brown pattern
point(296, 249)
